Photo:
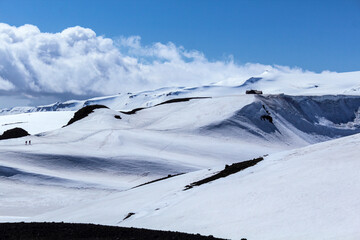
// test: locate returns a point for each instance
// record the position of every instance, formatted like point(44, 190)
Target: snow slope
point(97, 161)
point(98, 155)
point(307, 193)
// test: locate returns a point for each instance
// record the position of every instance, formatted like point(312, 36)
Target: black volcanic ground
point(57, 231)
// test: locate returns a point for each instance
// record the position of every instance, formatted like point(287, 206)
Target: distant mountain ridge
point(341, 83)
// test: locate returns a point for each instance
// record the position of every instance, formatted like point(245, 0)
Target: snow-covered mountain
point(269, 82)
point(91, 170)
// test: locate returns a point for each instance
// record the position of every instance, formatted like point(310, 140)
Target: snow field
point(85, 172)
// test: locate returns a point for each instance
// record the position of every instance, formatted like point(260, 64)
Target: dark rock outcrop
point(57, 231)
point(14, 133)
point(228, 170)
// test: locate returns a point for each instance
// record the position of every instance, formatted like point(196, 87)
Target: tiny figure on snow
point(25, 142)
point(29, 142)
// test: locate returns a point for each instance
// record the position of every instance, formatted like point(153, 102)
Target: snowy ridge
point(284, 118)
point(281, 119)
point(270, 82)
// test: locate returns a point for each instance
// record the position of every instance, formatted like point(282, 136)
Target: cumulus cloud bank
point(77, 62)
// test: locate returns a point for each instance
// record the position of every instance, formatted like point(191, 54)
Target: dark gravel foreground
point(56, 231)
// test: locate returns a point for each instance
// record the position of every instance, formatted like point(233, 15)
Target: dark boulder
point(252, 91)
point(266, 118)
point(14, 133)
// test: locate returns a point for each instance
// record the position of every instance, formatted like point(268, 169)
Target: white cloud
point(78, 62)
point(6, 85)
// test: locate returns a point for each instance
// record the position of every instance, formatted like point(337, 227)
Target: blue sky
point(314, 35)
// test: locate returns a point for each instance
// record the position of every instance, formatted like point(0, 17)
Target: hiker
point(29, 142)
point(25, 142)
